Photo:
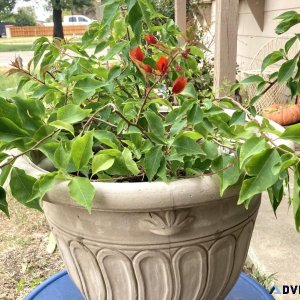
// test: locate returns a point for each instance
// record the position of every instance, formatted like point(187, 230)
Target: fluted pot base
point(153, 241)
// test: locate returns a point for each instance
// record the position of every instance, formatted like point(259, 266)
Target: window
point(81, 19)
point(72, 19)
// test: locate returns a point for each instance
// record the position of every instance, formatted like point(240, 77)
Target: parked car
point(77, 20)
point(74, 20)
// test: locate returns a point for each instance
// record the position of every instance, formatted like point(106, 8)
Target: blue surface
point(60, 287)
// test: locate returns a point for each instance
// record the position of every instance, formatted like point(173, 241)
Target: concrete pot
point(152, 241)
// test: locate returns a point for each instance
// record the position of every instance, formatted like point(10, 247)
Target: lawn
point(15, 47)
point(24, 259)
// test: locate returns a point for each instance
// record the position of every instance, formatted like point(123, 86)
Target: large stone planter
point(152, 241)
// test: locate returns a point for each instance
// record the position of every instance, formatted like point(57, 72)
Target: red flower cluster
point(150, 39)
point(179, 85)
point(162, 65)
point(137, 54)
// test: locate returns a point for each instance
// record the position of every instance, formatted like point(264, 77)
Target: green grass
point(15, 47)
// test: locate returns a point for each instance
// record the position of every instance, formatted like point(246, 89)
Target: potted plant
point(132, 193)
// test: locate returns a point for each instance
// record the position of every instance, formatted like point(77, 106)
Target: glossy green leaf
point(253, 79)
point(82, 191)
point(252, 146)
point(102, 162)
point(296, 197)
point(287, 70)
point(226, 168)
point(72, 113)
point(81, 150)
point(152, 161)
point(271, 59)
point(9, 131)
point(292, 133)
point(155, 123)
point(62, 125)
point(3, 202)
point(21, 186)
point(186, 146)
point(129, 162)
point(61, 157)
point(263, 171)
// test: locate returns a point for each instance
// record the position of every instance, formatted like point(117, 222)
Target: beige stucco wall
point(250, 37)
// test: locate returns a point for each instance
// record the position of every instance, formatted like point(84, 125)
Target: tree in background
point(58, 6)
point(6, 6)
point(25, 17)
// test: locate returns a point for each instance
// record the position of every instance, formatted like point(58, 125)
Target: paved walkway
point(275, 246)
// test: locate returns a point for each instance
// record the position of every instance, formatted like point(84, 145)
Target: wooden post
point(227, 12)
point(180, 14)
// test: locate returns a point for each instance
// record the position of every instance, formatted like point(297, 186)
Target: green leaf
point(226, 168)
point(289, 19)
point(252, 146)
point(61, 157)
point(292, 133)
point(82, 191)
point(210, 149)
point(197, 51)
point(3, 202)
point(135, 16)
point(155, 123)
point(107, 138)
point(9, 131)
point(129, 162)
point(253, 79)
point(189, 91)
point(102, 162)
point(195, 115)
point(43, 185)
point(4, 174)
point(186, 146)
point(152, 161)
point(290, 43)
point(263, 169)
point(286, 71)
point(72, 113)
point(21, 186)
point(62, 125)
point(109, 12)
point(270, 59)
point(296, 197)
point(81, 150)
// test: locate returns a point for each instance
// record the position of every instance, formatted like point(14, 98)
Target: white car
point(77, 20)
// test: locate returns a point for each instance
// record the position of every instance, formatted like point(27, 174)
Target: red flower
point(162, 65)
point(137, 54)
point(179, 85)
point(186, 53)
point(147, 68)
point(150, 39)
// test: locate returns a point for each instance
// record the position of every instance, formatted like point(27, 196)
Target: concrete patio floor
point(275, 246)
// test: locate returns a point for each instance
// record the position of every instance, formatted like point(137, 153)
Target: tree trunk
point(58, 30)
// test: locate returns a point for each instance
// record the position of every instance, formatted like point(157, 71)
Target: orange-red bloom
point(147, 68)
point(179, 85)
point(162, 65)
point(137, 54)
point(150, 39)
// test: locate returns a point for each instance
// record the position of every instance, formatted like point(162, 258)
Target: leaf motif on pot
point(167, 223)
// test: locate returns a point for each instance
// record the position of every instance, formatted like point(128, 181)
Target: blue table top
point(60, 287)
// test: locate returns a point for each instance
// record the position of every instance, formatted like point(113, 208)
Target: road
point(7, 57)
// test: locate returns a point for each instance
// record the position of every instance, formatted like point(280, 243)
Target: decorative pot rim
point(139, 196)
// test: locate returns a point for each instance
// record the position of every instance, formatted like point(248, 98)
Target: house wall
point(250, 37)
